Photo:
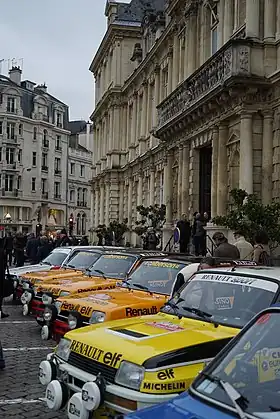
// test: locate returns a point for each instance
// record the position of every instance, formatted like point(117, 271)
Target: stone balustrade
point(230, 61)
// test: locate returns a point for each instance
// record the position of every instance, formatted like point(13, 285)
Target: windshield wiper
point(45, 263)
point(175, 307)
point(235, 397)
point(142, 287)
point(69, 266)
point(202, 314)
point(100, 272)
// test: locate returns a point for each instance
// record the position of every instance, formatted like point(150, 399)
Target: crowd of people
point(21, 248)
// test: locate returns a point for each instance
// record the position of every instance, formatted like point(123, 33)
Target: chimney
point(15, 75)
point(42, 87)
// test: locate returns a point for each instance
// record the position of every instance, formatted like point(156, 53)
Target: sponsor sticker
point(158, 284)
point(263, 319)
point(224, 303)
point(157, 264)
point(134, 312)
point(252, 282)
point(92, 352)
point(102, 296)
point(172, 387)
point(115, 257)
point(165, 326)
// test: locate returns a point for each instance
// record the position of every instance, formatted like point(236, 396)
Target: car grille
point(92, 367)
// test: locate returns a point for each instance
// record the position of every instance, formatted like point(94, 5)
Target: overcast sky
point(57, 40)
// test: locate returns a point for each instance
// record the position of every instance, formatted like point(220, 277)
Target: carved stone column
point(152, 186)
point(121, 201)
point(269, 20)
point(278, 21)
point(186, 57)
point(228, 19)
point(110, 140)
point(267, 157)
point(156, 98)
point(180, 180)
point(139, 193)
point(222, 170)
point(107, 197)
point(128, 126)
point(175, 62)
point(169, 81)
point(214, 183)
point(167, 197)
point(116, 128)
point(134, 121)
point(124, 126)
point(192, 40)
point(96, 206)
point(129, 202)
point(149, 102)
point(253, 19)
point(246, 152)
point(144, 112)
point(101, 207)
point(185, 179)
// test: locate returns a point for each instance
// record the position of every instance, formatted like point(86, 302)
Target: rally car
point(143, 293)
point(107, 270)
point(242, 381)
point(128, 364)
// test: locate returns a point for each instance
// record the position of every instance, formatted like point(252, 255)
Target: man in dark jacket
point(224, 249)
point(9, 247)
point(3, 265)
point(185, 233)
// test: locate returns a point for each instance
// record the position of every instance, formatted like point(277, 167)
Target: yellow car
point(129, 364)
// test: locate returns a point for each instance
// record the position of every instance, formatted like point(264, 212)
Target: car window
point(252, 367)
point(115, 266)
point(229, 299)
point(155, 275)
point(82, 259)
point(56, 258)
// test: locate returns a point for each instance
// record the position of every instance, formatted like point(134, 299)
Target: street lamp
point(8, 217)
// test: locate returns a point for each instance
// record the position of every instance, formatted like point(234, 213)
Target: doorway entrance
point(205, 177)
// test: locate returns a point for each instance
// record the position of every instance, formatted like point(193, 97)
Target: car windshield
point(82, 259)
point(56, 258)
point(252, 367)
point(155, 275)
point(228, 298)
point(114, 266)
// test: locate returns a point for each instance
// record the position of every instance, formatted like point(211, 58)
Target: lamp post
point(8, 218)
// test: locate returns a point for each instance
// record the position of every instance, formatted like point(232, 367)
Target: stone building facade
point(187, 106)
point(33, 155)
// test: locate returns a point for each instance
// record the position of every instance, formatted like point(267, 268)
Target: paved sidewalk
point(20, 391)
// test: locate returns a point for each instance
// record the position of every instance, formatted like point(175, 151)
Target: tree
point(250, 216)
point(118, 229)
point(152, 216)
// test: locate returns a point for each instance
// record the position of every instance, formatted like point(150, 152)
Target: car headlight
point(48, 314)
point(72, 321)
point(26, 297)
point(58, 305)
point(47, 299)
point(25, 285)
point(130, 375)
point(64, 294)
point(63, 349)
point(97, 317)
point(16, 283)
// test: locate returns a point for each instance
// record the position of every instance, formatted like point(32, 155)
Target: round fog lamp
point(47, 372)
point(48, 314)
point(72, 321)
point(46, 299)
point(45, 332)
point(25, 310)
point(76, 408)
point(56, 395)
point(25, 286)
point(91, 396)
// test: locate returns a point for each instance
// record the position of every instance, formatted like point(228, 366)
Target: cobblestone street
point(21, 395)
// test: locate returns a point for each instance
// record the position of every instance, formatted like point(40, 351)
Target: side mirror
point(179, 282)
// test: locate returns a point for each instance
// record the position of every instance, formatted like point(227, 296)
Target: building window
point(58, 143)
point(33, 184)
point(83, 224)
point(59, 120)
point(20, 129)
point(57, 166)
point(1, 127)
point(72, 195)
point(72, 168)
point(10, 155)
point(11, 131)
point(11, 104)
point(45, 139)
point(34, 158)
point(34, 133)
point(79, 197)
point(20, 155)
point(9, 181)
point(45, 161)
point(57, 190)
point(84, 197)
point(44, 185)
point(82, 173)
point(19, 183)
point(214, 29)
point(78, 223)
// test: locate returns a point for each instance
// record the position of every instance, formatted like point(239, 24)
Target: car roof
point(259, 271)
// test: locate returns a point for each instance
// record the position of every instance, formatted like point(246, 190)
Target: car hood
point(115, 299)
point(139, 339)
point(29, 268)
point(182, 407)
point(63, 273)
point(78, 285)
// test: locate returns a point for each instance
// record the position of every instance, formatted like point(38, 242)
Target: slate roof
point(136, 9)
point(76, 127)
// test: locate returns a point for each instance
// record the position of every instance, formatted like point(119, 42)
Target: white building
point(33, 155)
point(80, 176)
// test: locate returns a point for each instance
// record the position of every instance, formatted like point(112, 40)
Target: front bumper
point(117, 398)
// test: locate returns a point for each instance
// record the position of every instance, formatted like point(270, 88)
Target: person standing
point(44, 249)
point(84, 241)
point(199, 235)
point(3, 265)
point(245, 248)
point(19, 244)
point(261, 253)
point(185, 233)
point(224, 249)
point(9, 248)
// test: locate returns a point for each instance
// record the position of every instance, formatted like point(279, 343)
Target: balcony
point(45, 195)
point(14, 193)
point(57, 172)
point(81, 204)
point(57, 197)
point(44, 168)
point(231, 65)
point(12, 110)
point(11, 139)
point(10, 166)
